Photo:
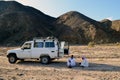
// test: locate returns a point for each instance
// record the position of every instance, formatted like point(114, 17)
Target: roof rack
point(44, 38)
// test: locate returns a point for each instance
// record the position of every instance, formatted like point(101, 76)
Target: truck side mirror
point(22, 48)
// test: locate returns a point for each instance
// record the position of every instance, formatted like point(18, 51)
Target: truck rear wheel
point(12, 59)
point(45, 59)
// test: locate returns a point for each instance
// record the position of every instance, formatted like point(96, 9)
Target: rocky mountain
point(116, 25)
point(83, 28)
point(113, 29)
point(19, 23)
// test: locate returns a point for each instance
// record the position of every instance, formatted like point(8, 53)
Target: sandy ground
point(104, 65)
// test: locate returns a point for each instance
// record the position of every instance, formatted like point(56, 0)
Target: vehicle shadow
point(61, 64)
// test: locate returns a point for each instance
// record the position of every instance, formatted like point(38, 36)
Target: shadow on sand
point(60, 64)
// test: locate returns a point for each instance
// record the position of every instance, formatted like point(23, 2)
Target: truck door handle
point(52, 51)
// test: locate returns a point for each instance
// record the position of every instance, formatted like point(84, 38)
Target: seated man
point(71, 62)
point(84, 62)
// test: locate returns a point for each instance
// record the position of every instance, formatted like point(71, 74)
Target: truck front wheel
point(12, 59)
point(45, 59)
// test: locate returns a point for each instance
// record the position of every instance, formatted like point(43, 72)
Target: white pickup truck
point(45, 49)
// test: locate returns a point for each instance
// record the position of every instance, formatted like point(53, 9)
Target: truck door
point(38, 49)
point(51, 49)
point(26, 51)
point(61, 49)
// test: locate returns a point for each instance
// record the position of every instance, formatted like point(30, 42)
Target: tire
point(12, 59)
point(45, 60)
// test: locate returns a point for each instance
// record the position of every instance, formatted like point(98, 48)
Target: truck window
point(38, 45)
point(27, 46)
point(49, 44)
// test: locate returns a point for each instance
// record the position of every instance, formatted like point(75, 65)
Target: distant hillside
point(19, 23)
point(113, 29)
point(116, 25)
point(83, 28)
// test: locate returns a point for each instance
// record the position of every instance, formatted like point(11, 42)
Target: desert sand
point(104, 65)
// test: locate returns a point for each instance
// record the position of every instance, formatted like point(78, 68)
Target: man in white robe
point(71, 62)
point(84, 62)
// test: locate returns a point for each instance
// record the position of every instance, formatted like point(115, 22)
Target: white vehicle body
point(45, 49)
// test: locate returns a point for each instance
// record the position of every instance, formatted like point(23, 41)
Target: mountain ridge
point(19, 23)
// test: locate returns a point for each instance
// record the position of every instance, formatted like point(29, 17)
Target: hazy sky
point(95, 9)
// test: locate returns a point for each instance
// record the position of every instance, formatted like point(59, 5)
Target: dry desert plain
point(104, 65)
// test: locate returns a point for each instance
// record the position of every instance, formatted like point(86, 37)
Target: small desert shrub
point(118, 43)
point(91, 44)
